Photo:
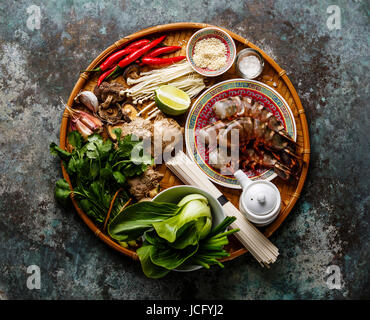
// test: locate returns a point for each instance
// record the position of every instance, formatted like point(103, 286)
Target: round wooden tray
point(273, 75)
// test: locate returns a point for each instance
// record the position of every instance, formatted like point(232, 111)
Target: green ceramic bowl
point(175, 194)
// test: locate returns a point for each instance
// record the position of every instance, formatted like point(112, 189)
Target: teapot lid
point(260, 198)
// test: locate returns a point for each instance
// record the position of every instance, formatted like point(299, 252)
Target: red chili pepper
point(117, 56)
point(162, 50)
point(138, 44)
point(161, 61)
point(136, 55)
point(113, 59)
point(104, 75)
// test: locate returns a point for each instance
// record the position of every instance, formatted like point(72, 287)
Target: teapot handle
point(242, 178)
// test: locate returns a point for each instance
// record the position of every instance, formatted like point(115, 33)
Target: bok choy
point(194, 208)
point(174, 235)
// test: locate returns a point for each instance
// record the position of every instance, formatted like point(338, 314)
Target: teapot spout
point(242, 178)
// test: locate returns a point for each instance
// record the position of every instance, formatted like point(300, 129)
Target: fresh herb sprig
point(97, 169)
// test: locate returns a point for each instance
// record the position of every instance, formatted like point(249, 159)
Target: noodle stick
point(146, 108)
point(255, 242)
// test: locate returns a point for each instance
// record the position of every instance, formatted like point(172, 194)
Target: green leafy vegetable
point(186, 236)
point(75, 139)
point(57, 151)
point(158, 257)
point(120, 178)
point(97, 169)
point(184, 239)
point(132, 222)
point(193, 209)
point(211, 248)
point(170, 258)
point(62, 192)
point(149, 268)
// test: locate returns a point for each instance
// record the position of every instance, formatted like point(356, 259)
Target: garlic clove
point(90, 121)
point(89, 99)
point(82, 128)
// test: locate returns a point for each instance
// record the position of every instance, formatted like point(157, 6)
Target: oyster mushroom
point(140, 127)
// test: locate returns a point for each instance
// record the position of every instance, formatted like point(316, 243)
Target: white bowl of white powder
point(211, 51)
point(249, 63)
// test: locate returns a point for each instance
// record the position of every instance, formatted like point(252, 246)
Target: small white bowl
point(249, 52)
point(176, 193)
point(211, 32)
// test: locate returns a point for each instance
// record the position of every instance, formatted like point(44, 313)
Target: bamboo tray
point(273, 75)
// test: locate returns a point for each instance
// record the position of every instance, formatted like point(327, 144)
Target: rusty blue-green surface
point(328, 226)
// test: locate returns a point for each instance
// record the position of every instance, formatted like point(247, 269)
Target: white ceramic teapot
point(260, 201)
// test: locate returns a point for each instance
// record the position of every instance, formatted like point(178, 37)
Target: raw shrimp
point(262, 139)
point(237, 107)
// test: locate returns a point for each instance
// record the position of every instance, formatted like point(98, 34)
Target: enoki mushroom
point(180, 75)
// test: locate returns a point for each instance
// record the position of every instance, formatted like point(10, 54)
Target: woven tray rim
point(172, 27)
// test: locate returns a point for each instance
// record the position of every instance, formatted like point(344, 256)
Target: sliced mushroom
point(109, 129)
point(129, 112)
point(107, 89)
point(132, 71)
point(107, 102)
point(111, 115)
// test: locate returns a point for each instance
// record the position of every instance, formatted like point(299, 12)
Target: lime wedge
point(171, 100)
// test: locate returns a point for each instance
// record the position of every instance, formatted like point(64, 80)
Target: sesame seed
point(210, 53)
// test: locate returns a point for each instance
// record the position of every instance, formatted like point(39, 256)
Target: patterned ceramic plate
point(202, 115)
point(207, 33)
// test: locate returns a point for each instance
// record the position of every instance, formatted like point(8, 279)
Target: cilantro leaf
point(57, 151)
point(75, 139)
point(98, 168)
point(62, 192)
point(120, 178)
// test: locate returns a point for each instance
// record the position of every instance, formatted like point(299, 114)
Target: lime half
point(171, 100)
